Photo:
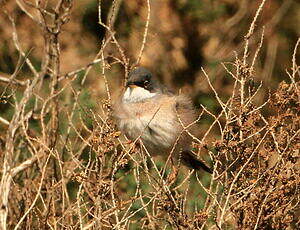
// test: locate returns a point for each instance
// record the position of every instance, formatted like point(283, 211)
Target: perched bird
point(147, 110)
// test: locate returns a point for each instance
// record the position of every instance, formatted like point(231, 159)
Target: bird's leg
point(133, 144)
point(128, 142)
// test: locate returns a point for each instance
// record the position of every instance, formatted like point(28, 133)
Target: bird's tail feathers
point(190, 159)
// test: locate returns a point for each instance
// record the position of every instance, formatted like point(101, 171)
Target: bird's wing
point(184, 108)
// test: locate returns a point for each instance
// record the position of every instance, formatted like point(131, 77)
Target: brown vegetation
point(63, 163)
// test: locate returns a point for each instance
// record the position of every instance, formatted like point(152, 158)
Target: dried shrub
point(65, 165)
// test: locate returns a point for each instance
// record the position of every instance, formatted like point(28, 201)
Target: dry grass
point(64, 165)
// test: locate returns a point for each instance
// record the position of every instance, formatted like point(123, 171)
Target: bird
point(161, 120)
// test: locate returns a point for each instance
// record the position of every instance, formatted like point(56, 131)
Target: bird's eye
point(146, 83)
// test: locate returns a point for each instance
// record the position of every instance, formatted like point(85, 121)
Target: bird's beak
point(131, 85)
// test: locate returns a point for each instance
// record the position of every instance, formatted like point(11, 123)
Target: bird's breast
point(155, 123)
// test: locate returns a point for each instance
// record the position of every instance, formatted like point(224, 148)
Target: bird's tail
point(190, 159)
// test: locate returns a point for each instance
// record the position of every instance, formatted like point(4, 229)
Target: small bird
point(160, 119)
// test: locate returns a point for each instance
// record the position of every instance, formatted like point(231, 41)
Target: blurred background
point(184, 35)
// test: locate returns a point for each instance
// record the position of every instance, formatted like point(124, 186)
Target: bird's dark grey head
point(142, 77)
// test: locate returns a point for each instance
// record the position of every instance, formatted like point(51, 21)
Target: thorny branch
point(66, 165)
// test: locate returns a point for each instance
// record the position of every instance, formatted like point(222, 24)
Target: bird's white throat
point(137, 94)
